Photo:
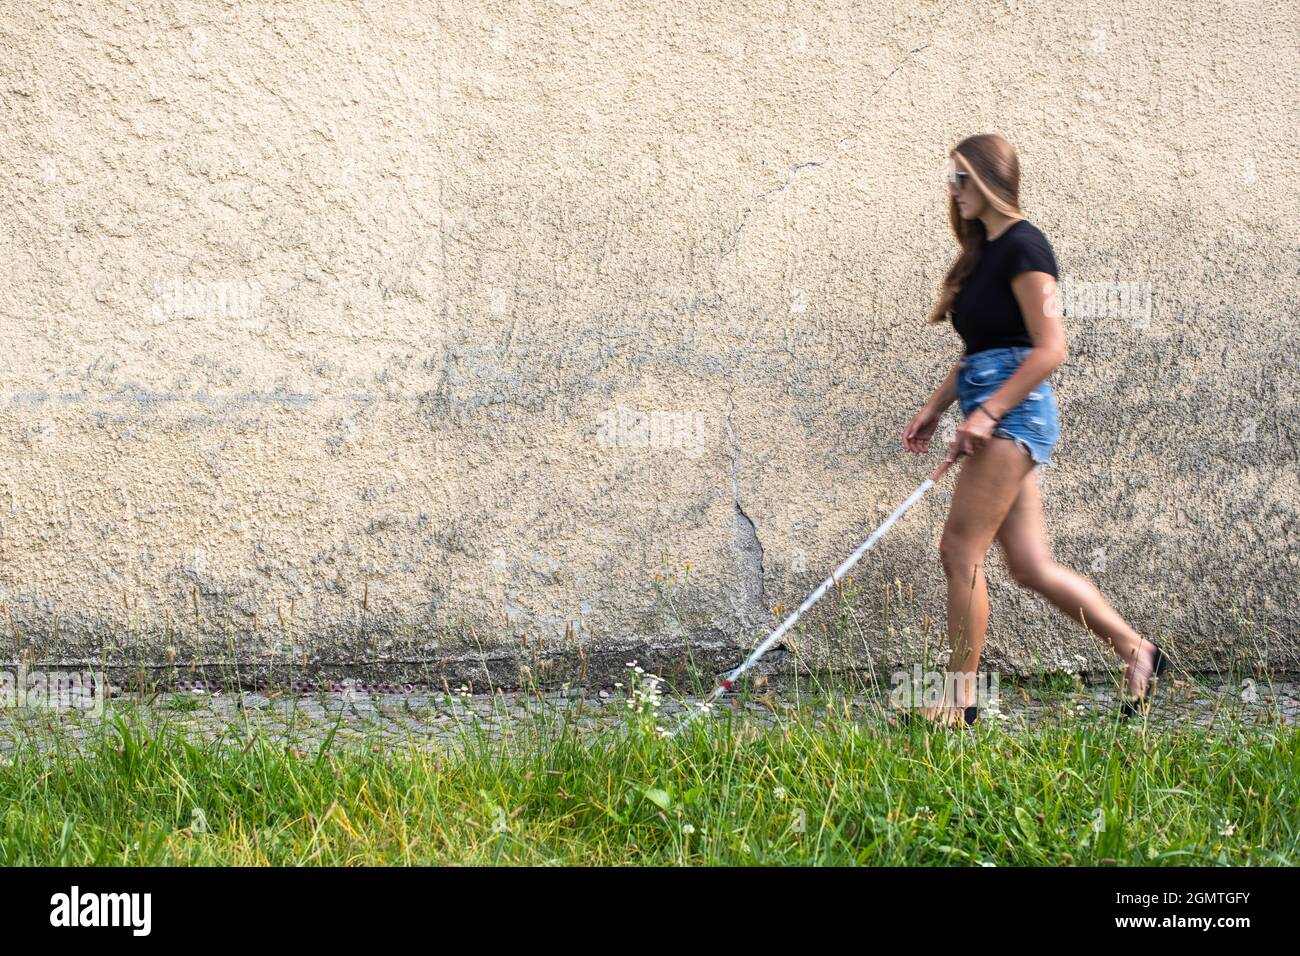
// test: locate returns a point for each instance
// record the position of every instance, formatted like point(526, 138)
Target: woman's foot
point(1140, 676)
point(1138, 669)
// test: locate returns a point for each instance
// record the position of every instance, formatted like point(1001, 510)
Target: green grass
point(825, 790)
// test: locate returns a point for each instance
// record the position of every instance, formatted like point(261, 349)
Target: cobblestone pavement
point(411, 717)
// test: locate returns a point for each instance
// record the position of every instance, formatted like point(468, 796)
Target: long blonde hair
point(995, 171)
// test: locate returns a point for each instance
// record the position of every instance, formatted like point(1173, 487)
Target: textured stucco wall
point(427, 252)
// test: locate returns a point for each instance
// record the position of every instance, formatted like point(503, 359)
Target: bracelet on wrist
point(980, 408)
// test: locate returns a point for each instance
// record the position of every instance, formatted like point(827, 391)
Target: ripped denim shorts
point(1035, 424)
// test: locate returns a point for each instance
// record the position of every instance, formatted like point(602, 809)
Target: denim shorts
point(1035, 424)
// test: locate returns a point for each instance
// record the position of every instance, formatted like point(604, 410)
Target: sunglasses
point(955, 177)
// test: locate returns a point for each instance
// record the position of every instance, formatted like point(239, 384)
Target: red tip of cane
point(726, 684)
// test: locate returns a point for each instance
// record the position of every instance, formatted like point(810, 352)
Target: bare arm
point(946, 393)
point(917, 434)
point(1036, 293)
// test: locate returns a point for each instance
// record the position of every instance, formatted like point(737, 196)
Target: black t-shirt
point(986, 314)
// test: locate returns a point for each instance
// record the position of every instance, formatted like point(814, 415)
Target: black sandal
point(1132, 708)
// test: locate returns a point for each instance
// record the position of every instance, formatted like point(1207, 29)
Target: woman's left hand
point(971, 435)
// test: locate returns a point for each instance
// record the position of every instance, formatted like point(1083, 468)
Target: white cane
point(813, 598)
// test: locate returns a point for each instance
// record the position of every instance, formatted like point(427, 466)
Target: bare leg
point(1023, 538)
point(986, 488)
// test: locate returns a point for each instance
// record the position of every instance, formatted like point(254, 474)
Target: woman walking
point(1000, 295)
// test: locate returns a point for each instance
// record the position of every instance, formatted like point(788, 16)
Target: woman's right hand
point(916, 438)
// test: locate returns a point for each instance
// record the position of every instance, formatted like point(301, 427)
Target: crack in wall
point(747, 539)
point(799, 167)
point(744, 216)
point(901, 63)
point(748, 544)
